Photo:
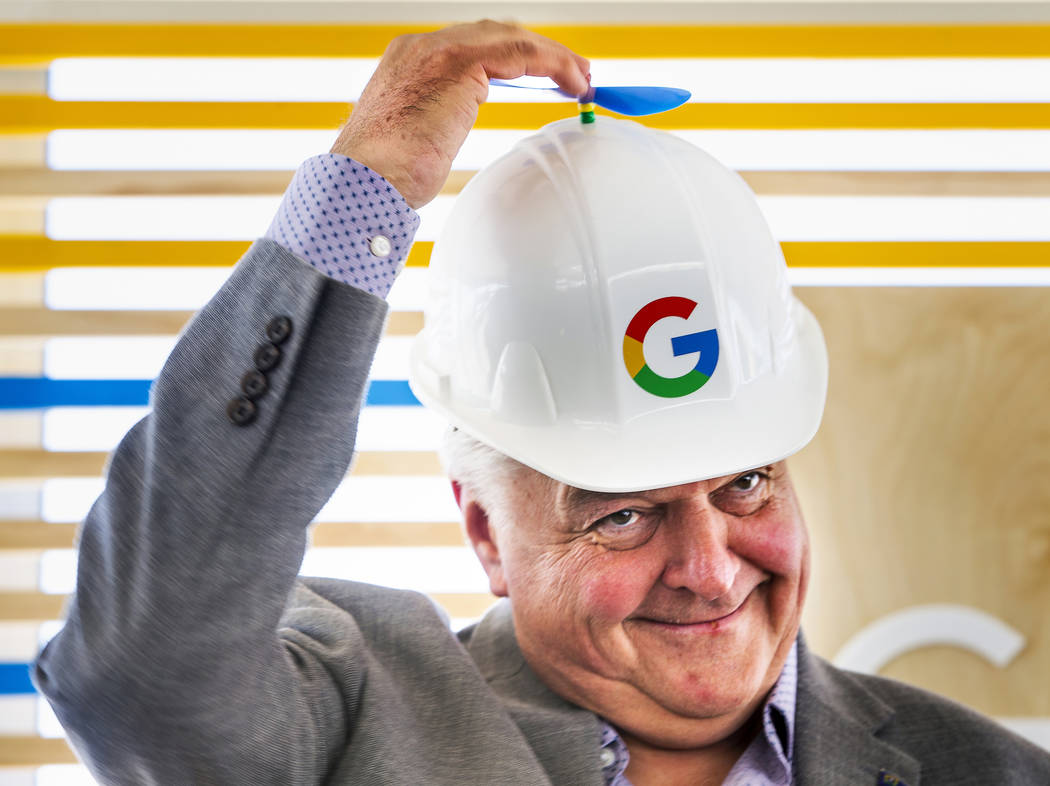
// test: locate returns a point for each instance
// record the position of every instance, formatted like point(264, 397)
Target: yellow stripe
point(35, 114)
point(53, 183)
point(34, 464)
point(38, 253)
point(633, 356)
point(34, 752)
point(33, 42)
point(37, 321)
point(26, 606)
point(39, 535)
point(36, 535)
point(27, 253)
point(37, 181)
point(916, 254)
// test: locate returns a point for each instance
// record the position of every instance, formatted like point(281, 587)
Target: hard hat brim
point(766, 421)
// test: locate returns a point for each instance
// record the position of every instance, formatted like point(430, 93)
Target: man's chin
point(710, 693)
point(677, 723)
point(709, 701)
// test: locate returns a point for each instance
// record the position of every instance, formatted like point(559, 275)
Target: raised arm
point(170, 668)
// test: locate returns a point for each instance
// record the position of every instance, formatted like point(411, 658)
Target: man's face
point(669, 612)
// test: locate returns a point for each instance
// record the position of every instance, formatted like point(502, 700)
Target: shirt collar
point(781, 732)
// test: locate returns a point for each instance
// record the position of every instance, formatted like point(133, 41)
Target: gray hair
point(480, 469)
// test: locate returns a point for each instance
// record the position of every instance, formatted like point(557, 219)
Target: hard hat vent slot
point(521, 392)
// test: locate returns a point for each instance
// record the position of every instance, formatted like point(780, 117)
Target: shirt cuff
point(347, 221)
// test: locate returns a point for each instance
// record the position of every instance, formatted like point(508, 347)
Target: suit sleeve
point(170, 668)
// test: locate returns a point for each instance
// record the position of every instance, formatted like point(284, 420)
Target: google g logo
point(705, 342)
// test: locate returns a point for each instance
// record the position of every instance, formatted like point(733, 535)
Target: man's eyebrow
point(576, 498)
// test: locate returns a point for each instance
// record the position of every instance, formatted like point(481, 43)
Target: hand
point(423, 98)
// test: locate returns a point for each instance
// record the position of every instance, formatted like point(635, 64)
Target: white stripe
point(101, 428)
point(64, 774)
point(160, 218)
point(88, 428)
point(177, 150)
point(19, 500)
point(18, 776)
point(360, 498)
point(423, 569)
point(47, 724)
point(410, 290)
point(907, 218)
point(18, 714)
point(19, 641)
point(208, 78)
point(892, 150)
point(58, 572)
point(386, 498)
point(813, 218)
point(105, 357)
point(19, 570)
point(716, 80)
point(261, 149)
point(529, 12)
point(964, 150)
point(428, 570)
point(399, 428)
point(132, 288)
point(920, 276)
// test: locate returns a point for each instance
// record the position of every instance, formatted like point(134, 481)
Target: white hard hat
point(609, 308)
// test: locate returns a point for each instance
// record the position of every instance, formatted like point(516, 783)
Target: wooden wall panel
point(929, 481)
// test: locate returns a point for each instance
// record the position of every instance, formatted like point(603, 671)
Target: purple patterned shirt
point(347, 221)
point(767, 760)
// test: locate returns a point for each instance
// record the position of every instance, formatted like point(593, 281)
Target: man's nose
point(699, 559)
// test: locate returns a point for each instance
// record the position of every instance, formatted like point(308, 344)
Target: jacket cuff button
point(267, 356)
point(254, 384)
point(279, 329)
point(241, 411)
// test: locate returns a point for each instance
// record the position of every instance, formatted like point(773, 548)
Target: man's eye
point(621, 518)
point(744, 494)
point(747, 482)
point(624, 529)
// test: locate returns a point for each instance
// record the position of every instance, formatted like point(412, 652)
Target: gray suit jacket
point(192, 654)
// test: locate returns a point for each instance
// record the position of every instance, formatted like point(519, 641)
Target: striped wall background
point(142, 149)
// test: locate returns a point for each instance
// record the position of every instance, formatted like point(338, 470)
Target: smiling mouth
point(711, 623)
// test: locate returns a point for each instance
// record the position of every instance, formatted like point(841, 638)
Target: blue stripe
point(390, 393)
point(41, 392)
point(14, 679)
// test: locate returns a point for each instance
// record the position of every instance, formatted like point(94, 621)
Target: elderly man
point(652, 631)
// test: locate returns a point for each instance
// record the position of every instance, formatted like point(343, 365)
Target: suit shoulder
point(949, 738)
point(369, 602)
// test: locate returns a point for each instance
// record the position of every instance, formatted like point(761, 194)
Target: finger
point(534, 55)
point(569, 70)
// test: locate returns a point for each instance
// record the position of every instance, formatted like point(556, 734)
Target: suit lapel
point(564, 737)
point(837, 721)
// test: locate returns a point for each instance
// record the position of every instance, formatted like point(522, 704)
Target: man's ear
point(480, 534)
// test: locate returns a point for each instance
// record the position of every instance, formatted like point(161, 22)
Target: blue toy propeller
point(631, 101)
